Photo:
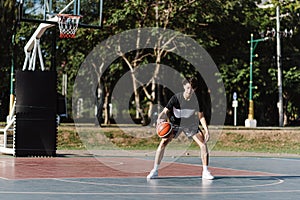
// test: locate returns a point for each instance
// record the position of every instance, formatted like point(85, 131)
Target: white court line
point(277, 182)
point(114, 163)
point(151, 193)
point(287, 159)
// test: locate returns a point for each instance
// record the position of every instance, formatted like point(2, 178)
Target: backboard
point(43, 10)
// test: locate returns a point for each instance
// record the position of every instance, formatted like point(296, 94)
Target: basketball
point(164, 129)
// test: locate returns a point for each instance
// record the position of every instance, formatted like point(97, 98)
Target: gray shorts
point(188, 131)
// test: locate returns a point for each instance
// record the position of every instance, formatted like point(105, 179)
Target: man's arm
point(204, 125)
point(162, 116)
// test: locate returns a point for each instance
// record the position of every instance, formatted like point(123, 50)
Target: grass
point(99, 138)
point(237, 140)
point(270, 141)
point(69, 139)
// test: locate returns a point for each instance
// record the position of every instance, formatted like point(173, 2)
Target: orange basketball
point(164, 129)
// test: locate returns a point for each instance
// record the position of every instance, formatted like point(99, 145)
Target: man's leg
point(199, 139)
point(159, 156)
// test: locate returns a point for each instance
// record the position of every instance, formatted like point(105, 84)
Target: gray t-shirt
point(184, 112)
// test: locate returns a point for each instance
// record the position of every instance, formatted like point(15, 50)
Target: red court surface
point(91, 167)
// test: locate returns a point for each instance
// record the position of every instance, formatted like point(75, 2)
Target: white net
point(68, 25)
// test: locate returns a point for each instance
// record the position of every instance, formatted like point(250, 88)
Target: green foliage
point(221, 27)
point(7, 28)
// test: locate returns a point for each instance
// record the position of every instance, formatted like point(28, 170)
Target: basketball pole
point(12, 96)
point(279, 69)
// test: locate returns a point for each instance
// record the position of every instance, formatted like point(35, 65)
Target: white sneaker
point(207, 175)
point(153, 174)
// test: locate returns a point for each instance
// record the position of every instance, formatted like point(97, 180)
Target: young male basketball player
point(184, 112)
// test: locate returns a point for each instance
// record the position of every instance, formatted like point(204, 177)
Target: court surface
point(89, 177)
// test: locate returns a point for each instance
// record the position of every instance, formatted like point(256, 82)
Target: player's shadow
point(176, 177)
point(258, 177)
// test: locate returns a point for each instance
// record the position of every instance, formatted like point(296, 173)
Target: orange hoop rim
point(68, 15)
point(68, 24)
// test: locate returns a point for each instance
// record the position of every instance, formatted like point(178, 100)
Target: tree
point(221, 27)
point(8, 28)
point(247, 18)
point(185, 16)
point(289, 20)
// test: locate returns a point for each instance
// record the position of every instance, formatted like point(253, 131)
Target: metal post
point(53, 53)
point(235, 105)
point(12, 96)
point(235, 116)
point(279, 73)
point(251, 122)
point(251, 104)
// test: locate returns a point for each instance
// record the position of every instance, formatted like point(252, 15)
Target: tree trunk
point(139, 113)
point(106, 108)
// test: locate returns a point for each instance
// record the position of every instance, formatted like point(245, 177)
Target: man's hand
point(160, 121)
point(206, 136)
point(162, 116)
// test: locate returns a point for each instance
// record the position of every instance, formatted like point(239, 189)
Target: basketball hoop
point(68, 25)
